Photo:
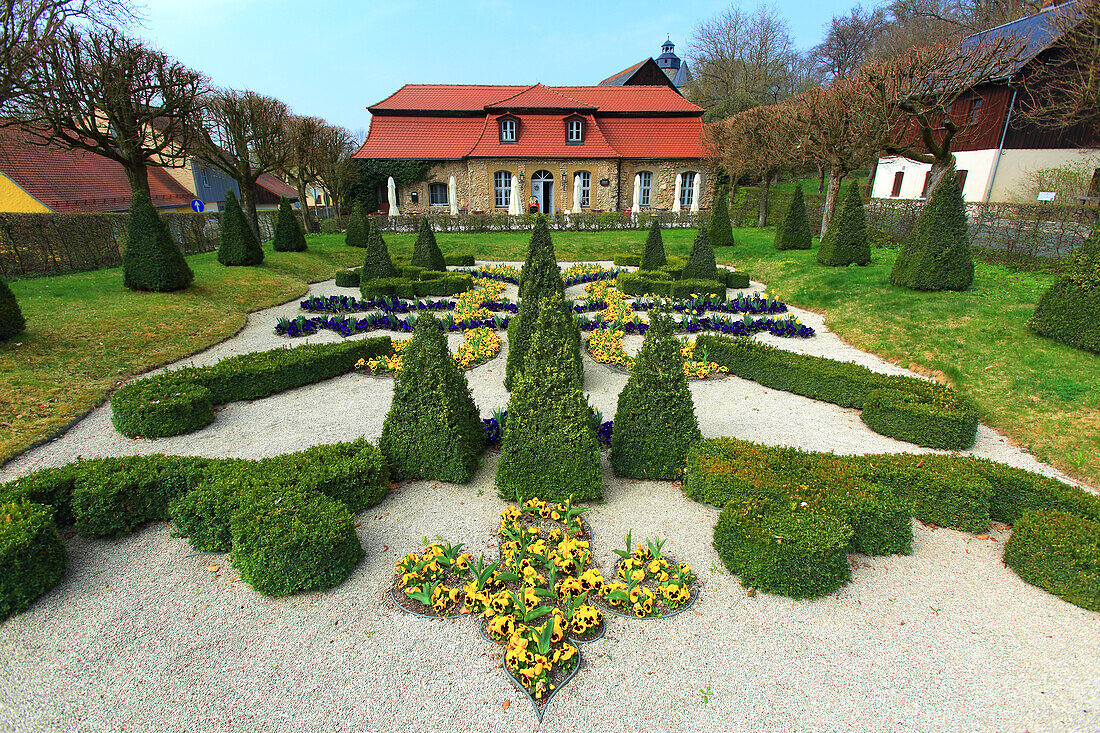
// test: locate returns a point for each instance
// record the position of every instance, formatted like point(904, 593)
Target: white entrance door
point(542, 190)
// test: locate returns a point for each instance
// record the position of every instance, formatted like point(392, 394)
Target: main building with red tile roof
point(606, 136)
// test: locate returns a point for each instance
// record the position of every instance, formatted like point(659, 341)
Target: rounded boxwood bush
point(204, 515)
point(937, 254)
point(161, 406)
point(152, 261)
point(654, 256)
point(1059, 553)
point(238, 245)
point(347, 279)
point(655, 422)
point(32, 556)
point(289, 236)
point(701, 264)
point(792, 553)
point(288, 540)
point(719, 227)
point(426, 252)
point(433, 429)
point(927, 414)
point(795, 233)
point(358, 229)
point(1069, 311)
point(846, 243)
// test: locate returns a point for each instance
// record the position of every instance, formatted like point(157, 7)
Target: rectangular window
point(502, 189)
point(687, 190)
point(576, 129)
point(646, 184)
point(586, 189)
point(896, 190)
point(205, 181)
point(962, 180)
point(975, 111)
point(437, 194)
point(507, 131)
point(924, 189)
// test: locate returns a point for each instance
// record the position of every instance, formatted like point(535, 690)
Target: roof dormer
point(574, 129)
point(508, 126)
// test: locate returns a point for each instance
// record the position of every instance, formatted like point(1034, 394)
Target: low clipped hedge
point(735, 280)
point(646, 282)
point(459, 260)
point(347, 279)
point(1058, 552)
point(32, 556)
point(907, 408)
point(182, 401)
point(628, 261)
point(793, 553)
point(428, 283)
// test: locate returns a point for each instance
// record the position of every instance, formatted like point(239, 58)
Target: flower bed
point(481, 345)
point(606, 347)
point(573, 275)
point(539, 598)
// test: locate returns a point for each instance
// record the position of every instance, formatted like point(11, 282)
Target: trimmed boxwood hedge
point(1069, 311)
point(845, 242)
point(628, 261)
point(459, 260)
point(32, 556)
point(644, 282)
point(733, 279)
point(426, 252)
point(11, 316)
point(238, 245)
point(347, 278)
point(182, 400)
point(429, 284)
point(152, 260)
point(1060, 553)
point(653, 257)
point(907, 408)
point(701, 264)
point(289, 236)
point(794, 232)
point(358, 227)
point(937, 253)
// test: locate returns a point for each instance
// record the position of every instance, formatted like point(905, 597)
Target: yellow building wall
point(13, 199)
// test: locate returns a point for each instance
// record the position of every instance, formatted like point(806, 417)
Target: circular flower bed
point(481, 345)
point(606, 347)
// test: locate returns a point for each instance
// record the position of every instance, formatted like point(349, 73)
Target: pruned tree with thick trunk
point(333, 162)
point(112, 95)
point(244, 135)
point(303, 138)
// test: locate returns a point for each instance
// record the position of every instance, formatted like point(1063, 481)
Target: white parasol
point(392, 195)
point(676, 198)
point(513, 199)
point(697, 194)
point(452, 196)
point(577, 193)
point(637, 194)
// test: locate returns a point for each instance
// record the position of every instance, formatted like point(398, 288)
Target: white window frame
point(508, 130)
point(586, 189)
point(645, 188)
point(443, 189)
point(502, 189)
point(576, 131)
point(687, 189)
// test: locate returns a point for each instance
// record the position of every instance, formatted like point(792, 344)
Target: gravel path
point(140, 636)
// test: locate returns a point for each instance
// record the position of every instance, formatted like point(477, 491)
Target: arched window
point(586, 188)
point(646, 180)
point(502, 189)
point(508, 129)
point(687, 189)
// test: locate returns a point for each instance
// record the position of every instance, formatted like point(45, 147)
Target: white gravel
point(139, 636)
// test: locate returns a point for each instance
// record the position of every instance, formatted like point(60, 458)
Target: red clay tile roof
point(542, 136)
point(473, 98)
point(276, 187)
point(538, 97)
point(77, 181)
point(655, 137)
point(428, 138)
point(622, 75)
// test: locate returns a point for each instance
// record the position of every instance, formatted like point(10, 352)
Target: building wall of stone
point(474, 179)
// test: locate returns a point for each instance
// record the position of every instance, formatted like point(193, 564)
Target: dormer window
point(574, 130)
point(508, 129)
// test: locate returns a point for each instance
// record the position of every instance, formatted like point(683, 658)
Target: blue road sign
point(197, 206)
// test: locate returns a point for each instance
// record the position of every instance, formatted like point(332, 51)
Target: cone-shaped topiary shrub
point(701, 264)
point(238, 245)
point(152, 261)
point(539, 279)
point(846, 241)
point(433, 429)
point(289, 236)
point(377, 262)
point(655, 421)
point(549, 449)
point(795, 230)
point(721, 231)
point(654, 256)
point(32, 556)
point(426, 253)
point(358, 230)
point(11, 317)
point(937, 255)
point(1070, 310)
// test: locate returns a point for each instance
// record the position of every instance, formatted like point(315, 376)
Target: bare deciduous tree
point(335, 146)
point(113, 96)
point(303, 138)
point(848, 42)
point(244, 135)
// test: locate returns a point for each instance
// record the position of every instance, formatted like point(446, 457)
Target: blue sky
point(332, 58)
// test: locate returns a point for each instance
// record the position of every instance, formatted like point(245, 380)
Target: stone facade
point(474, 179)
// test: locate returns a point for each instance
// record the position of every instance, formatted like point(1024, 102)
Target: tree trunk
point(138, 175)
point(248, 204)
point(303, 208)
point(762, 215)
point(820, 178)
point(943, 165)
point(835, 176)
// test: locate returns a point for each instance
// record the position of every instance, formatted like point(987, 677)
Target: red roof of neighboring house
point(475, 98)
point(276, 188)
point(77, 181)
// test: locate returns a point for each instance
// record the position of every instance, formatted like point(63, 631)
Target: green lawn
point(87, 333)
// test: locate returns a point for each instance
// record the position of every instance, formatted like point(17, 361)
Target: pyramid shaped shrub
point(433, 429)
point(795, 233)
point(721, 231)
point(289, 236)
point(701, 264)
point(356, 235)
point(426, 253)
point(377, 262)
point(152, 261)
point(11, 316)
point(1069, 311)
point(238, 245)
point(549, 449)
point(654, 256)
point(655, 421)
point(845, 243)
point(937, 254)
